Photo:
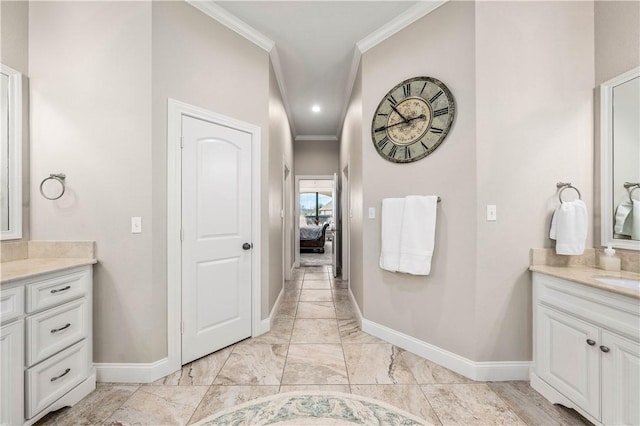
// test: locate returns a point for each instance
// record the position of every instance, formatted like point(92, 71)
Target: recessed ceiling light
point(315, 108)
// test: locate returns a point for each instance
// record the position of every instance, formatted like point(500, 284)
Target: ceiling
point(315, 47)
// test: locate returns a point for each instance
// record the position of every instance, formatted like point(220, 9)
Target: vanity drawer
point(11, 303)
point(53, 330)
point(48, 381)
point(58, 289)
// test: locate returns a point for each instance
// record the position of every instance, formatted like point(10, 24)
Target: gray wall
point(522, 76)
point(103, 72)
point(316, 157)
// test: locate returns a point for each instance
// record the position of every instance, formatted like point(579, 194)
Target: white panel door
point(336, 230)
point(620, 380)
point(216, 223)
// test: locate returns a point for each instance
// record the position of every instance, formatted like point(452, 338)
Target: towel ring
point(631, 187)
point(564, 186)
point(59, 177)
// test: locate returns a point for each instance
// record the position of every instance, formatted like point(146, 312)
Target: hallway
point(315, 344)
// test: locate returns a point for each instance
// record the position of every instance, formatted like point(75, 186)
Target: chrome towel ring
point(566, 185)
point(631, 186)
point(58, 177)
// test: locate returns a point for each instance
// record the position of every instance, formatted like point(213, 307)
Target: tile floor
point(315, 344)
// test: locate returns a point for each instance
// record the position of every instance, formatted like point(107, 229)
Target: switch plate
point(372, 212)
point(136, 225)
point(491, 213)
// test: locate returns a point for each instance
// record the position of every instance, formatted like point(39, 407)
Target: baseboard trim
point(356, 307)
point(479, 371)
point(132, 372)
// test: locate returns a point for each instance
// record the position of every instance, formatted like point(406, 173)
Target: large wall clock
point(413, 119)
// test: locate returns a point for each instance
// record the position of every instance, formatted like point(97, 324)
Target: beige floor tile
point(469, 404)
point(220, 398)
point(316, 296)
point(376, 364)
point(344, 309)
point(339, 284)
point(316, 285)
point(286, 308)
point(315, 364)
point(341, 294)
point(159, 405)
point(280, 333)
point(253, 365)
point(350, 332)
point(94, 408)
point(200, 372)
point(427, 372)
point(318, 388)
point(533, 408)
point(407, 397)
point(312, 276)
point(290, 295)
point(315, 331)
point(316, 310)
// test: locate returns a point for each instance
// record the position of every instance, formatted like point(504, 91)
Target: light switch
point(136, 225)
point(491, 213)
point(372, 212)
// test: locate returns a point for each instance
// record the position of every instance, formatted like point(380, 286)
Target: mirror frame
point(15, 154)
point(606, 162)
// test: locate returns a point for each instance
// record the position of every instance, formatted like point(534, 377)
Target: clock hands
point(407, 121)
point(399, 113)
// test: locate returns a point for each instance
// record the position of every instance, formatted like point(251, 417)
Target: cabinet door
point(11, 375)
point(568, 357)
point(620, 380)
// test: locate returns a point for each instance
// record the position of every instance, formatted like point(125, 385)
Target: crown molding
point(277, 70)
point(316, 138)
point(399, 23)
point(351, 79)
point(230, 21)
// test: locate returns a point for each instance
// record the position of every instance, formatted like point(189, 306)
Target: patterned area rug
point(312, 408)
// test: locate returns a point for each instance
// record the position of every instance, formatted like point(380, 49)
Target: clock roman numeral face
point(412, 119)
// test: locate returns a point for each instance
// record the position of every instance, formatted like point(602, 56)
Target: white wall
point(316, 157)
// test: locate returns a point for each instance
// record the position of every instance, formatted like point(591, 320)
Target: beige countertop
point(585, 275)
point(27, 268)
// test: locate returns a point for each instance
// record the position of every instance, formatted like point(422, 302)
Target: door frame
point(175, 111)
point(296, 209)
point(286, 215)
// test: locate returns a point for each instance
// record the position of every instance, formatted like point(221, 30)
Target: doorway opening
point(315, 220)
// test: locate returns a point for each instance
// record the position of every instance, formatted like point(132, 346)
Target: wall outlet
point(491, 213)
point(136, 225)
point(372, 212)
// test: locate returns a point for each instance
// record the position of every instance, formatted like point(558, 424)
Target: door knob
point(591, 342)
point(604, 349)
point(247, 246)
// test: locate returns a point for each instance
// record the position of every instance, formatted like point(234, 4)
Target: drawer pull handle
point(62, 375)
point(591, 342)
point(604, 349)
point(55, 330)
point(57, 290)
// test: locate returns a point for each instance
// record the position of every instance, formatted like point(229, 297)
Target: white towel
point(391, 216)
point(624, 220)
point(418, 234)
point(569, 227)
point(635, 225)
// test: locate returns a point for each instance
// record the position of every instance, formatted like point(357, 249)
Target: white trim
point(316, 138)
point(175, 111)
point(606, 162)
point(277, 70)
point(480, 371)
point(287, 220)
point(133, 372)
point(351, 80)
point(359, 317)
point(14, 89)
point(232, 22)
point(398, 23)
point(296, 210)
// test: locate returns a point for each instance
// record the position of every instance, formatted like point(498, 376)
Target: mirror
point(620, 160)
point(11, 154)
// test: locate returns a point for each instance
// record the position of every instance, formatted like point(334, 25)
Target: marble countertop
point(27, 268)
point(585, 275)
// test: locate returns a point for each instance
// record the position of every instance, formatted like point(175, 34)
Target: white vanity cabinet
point(47, 351)
point(587, 349)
